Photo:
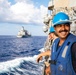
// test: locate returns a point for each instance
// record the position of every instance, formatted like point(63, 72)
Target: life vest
point(61, 60)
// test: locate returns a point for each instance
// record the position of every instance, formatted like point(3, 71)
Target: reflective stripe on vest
point(64, 51)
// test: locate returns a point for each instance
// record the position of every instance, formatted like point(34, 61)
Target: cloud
point(4, 10)
point(23, 11)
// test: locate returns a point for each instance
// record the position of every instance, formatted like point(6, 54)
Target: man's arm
point(48, 52)
point(74, 56)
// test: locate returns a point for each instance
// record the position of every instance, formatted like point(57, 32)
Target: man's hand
point(39, 58)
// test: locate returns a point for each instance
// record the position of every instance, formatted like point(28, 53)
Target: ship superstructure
point(23, 33)
point(55, 6)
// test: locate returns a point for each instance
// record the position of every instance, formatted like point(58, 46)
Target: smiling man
point(63, 56)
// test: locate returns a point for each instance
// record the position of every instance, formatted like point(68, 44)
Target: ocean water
point(18, 55)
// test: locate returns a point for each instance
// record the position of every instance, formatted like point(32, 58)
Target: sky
point(17, 13)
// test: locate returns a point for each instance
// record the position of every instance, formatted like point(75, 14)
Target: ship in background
point(23, 33)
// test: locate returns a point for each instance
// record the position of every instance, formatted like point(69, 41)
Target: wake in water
point(21, 66)
point(14, 52)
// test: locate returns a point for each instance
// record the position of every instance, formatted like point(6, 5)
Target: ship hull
point(23, 36)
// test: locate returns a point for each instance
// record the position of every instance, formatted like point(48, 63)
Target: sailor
point(63, 52)
point(52, 36)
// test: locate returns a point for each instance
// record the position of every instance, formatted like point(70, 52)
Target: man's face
point(62, 30)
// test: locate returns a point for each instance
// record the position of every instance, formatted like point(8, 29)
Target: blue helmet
point(52, 29)
point(60, 18)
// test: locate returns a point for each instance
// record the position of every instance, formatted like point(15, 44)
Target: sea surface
point(18, 55)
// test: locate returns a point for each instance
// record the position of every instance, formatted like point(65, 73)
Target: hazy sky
point(27, 13)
